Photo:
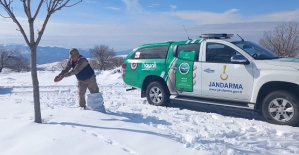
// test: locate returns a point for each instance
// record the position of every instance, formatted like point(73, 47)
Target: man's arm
point(82, 63)
point(66, 68)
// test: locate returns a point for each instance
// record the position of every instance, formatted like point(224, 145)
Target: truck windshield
point(256, 51)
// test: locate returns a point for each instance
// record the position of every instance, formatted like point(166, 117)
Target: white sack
point(95, 102)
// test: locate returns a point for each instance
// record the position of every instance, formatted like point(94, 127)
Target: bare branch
point(54, 5)
point(9, 11)
point(29, 8)
point(21, 29)
point(65, 5)
point(5, 3)
point(73, 4)
point(4, 16)
point(40, 33)
point(25, 8)
point(38, 8)
point(60, 6)
point(49, 5)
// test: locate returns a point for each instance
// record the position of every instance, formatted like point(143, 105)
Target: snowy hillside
point(130, 125)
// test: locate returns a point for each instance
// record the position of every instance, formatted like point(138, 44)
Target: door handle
point(208, 70)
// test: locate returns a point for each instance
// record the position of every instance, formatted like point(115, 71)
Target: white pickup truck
point(212, 70)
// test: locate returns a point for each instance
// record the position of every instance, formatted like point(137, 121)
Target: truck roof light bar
point(216, 36)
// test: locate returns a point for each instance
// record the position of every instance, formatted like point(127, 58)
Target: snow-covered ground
point(130, 126)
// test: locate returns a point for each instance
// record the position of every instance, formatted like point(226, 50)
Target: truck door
point(223, 79)
point(185, 75)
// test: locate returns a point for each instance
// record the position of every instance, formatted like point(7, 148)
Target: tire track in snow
point(106, 140)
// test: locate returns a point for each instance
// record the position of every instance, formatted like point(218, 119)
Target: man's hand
point(58, 78)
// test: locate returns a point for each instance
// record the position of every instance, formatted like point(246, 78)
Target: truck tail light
point(123, 66)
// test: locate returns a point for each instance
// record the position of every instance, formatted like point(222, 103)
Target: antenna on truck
point(186, 33)
point(240, 37)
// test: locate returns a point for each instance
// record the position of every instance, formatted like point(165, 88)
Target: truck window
point(189, 48)
point(219, 53)
point(151, 53)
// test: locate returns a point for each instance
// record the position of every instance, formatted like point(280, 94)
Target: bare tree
point(283, 40)
point(52, 6)
point(117, 61)
point(102, 54)
point(12, 59)
point(19, 63)
point(93, 63)
point(61, 64)
point(110, 63)
point(5, 56)
point(114, 62)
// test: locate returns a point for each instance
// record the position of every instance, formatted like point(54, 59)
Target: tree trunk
point(1, 69)
point(52, 6)
point(37, 112)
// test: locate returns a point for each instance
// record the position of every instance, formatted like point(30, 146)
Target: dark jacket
point(81, 69)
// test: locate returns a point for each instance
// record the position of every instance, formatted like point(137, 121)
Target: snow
point(130, 125)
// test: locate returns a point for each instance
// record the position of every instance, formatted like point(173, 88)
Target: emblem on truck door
point(133, 66)
point(208, 70)
point(184, 68)
point(224, 76)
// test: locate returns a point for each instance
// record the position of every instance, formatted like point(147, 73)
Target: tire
point(281, 107)
point(157, 94)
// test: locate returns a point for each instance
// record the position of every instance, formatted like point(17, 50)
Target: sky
point(126, 24)
point(130, 125)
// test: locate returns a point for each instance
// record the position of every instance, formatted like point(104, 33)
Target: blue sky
point(125, 24)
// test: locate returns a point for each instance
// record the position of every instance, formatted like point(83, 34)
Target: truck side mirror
point(239, 59)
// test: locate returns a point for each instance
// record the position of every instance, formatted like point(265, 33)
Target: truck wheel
point(157, 94)
point(281, 107)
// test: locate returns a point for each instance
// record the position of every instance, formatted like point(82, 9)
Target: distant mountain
point(50, 54)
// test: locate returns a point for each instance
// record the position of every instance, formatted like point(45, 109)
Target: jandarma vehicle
point(213, 70)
